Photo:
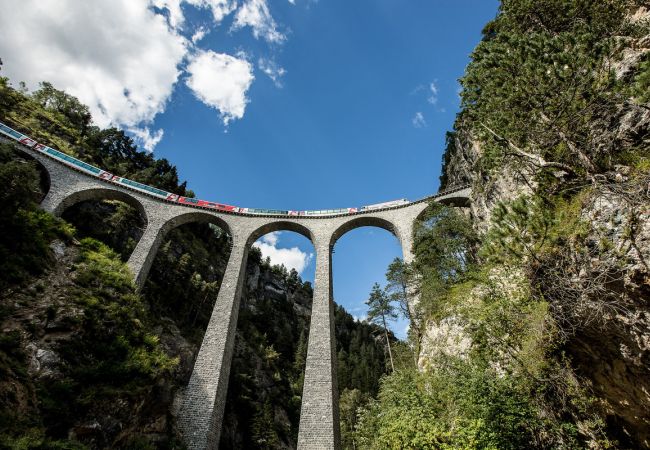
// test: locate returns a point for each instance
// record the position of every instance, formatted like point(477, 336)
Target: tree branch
point(534, 159)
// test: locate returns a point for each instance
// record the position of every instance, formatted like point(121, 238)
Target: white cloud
point(433, 93)
point(123, 58)
point(418, 120)
point(117, 56)
point(272, 70)
point(256, 14)
point(144, 137)
point(198, 35)
point(220, 81)
point(219, 9)
point(175, 15)
point(291, 258)
point(271, 238)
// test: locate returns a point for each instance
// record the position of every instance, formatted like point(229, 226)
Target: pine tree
point(380, 310)
point(401, 287)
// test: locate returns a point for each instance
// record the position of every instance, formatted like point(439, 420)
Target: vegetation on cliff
point(533, 302)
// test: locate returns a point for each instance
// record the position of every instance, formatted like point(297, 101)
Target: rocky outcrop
point(610, 315)
point(488, 188)
point(598, 288)
point(445, 338)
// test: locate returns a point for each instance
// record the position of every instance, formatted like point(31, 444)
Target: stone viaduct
point(202, 407)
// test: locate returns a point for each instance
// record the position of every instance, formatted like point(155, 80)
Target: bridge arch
point(114, 217)
point(280, 225)
point(365, 221)
point(45, 179)
point(194, 217)
point(155, 233)
point(98, 194)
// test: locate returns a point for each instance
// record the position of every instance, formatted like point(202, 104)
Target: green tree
point(263, 429)
point(380, 310)
point(445, 253)
point(349, 404)
point(77, 113)
point(401, 287)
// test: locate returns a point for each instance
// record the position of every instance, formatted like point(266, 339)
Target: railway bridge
point(202, 406)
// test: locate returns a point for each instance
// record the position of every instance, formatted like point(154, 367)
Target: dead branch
point(536, 160)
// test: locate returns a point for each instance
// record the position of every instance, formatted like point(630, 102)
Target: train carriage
point(390, 204)
point(175, 198)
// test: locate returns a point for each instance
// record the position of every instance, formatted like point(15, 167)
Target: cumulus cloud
point(272, 70)
point(256, 14)
point(122, 65)
point(291, 258)
point(271, 238)
point(220, 81)
point(418, 120)
point(145, 138)
point(123, 58)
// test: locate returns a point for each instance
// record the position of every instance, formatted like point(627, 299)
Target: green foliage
point(362, 362)
point(519, 230)
point(541, 79)
point(542, 100)
point(26, 231)
point(525, 230)
point(350, 401)
point(263, 430)
point(34, 439)
point(491, 395)
point(380, 307)
point(114, 223)
point(104, 361)
point(444, 242)
point(113, 364)
point(186, 275)
point(54, 100)
point(460, 408)
point(361, 356)
point(641, 86)
point(445, 250)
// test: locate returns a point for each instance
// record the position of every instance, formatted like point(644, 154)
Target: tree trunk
point(390, 353)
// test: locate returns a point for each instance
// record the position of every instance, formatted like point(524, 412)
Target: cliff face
point(597, 281)
point(83, 361)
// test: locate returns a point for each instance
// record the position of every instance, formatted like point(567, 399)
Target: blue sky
point(281, 104)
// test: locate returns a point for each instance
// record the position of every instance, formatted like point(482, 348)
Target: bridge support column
point(406, 242)
point(201, 413)
point(319, 415)
point(61, 188)
point(145, 251)
point(52, 201)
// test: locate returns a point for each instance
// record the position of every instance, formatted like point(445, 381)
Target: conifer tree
point(380, 309)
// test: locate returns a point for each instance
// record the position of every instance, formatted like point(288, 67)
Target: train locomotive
point(175, 198)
